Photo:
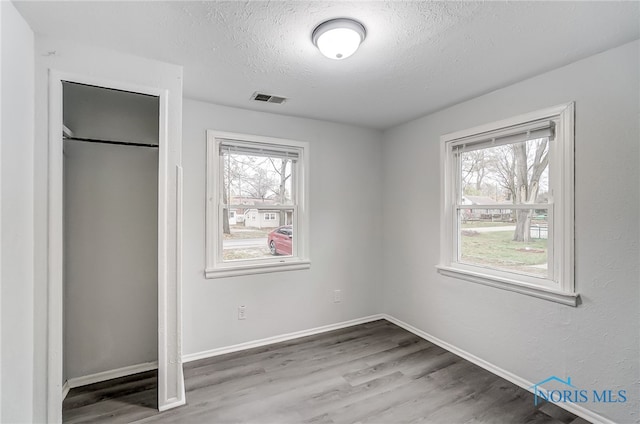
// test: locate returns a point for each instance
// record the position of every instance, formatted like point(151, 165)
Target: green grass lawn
point(479, 224)
point(246, 253)
point(241, 232)
point(497, 249)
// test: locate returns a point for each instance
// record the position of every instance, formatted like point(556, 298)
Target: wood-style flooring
point(370, 373)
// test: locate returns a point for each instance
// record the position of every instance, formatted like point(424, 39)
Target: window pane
point(512, 173)
point(505, 239)
point(257, 180)
point(258, 233)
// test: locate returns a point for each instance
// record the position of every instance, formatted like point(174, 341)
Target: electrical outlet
point(337, 296)
point(242, 312)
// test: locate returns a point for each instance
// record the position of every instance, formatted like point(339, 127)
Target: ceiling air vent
point(268, 98)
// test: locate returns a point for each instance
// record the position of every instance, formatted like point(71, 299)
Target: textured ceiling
point(418, 57)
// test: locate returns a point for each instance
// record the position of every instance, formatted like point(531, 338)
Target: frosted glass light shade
point(338, 38)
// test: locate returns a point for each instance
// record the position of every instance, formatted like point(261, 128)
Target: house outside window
point(267, 178)
point(507, 205)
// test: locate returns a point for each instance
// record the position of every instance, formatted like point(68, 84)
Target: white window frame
point(561, 288)
point(215, 266)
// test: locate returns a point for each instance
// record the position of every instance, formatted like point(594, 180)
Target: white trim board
point(65, 389)
point(148, 366)
point(170, 405)
point(171, 390)
point(280, 338)
point(519, 381)
point(98, 377)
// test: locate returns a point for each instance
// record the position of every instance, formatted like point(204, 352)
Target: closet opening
point(110, 245)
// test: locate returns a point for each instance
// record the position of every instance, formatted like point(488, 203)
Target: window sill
point(570, 299)
point(238, 270)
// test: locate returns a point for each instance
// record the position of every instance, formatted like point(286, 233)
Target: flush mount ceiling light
point(338, 38)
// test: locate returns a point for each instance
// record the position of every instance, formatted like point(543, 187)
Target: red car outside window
point(280, 240)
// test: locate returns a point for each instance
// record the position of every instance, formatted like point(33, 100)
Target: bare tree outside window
point(284, 173)
point(514, 172)
point(253, 187)
point(507, 204)
point(531, 161)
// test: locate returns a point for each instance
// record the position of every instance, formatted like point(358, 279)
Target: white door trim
point(170, 375)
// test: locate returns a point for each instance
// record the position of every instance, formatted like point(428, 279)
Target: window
point(267, 178)
point(508, 205)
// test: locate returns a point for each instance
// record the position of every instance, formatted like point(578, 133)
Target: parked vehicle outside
point(280, 240)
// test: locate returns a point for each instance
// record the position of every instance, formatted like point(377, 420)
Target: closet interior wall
point(110, 230)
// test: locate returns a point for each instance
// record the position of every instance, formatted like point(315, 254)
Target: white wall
point(346, 205)
point(597, 343)
point(16, 293)
point(111, 257)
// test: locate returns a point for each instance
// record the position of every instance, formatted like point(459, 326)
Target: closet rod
point(120, 143)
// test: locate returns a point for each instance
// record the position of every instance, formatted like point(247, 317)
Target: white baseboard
point(277, 339)
point(65, 389)
point(519, 381)
point(108, 375)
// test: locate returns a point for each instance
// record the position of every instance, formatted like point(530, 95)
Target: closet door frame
point(171, 391)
